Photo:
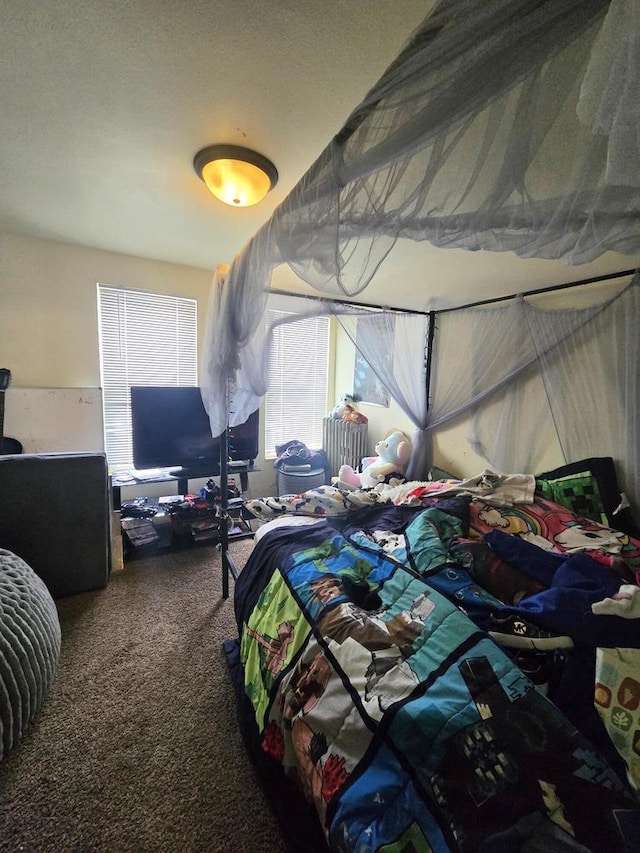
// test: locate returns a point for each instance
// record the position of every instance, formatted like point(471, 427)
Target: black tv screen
point(170, 429)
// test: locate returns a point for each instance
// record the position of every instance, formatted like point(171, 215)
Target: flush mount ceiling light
point(235, 175)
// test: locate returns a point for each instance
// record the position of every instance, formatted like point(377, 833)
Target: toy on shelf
point(393, 454)
point(337, 413)
point(353, 416)
point(345, 410)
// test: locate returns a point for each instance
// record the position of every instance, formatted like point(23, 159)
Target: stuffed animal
point(337, 413)
point(355, 417)
point(394, 453)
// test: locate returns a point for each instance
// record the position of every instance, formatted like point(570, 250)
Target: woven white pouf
point(29, 647)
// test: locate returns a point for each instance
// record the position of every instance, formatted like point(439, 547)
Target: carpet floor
point(137, 747)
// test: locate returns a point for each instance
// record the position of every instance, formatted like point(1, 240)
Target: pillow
point(617, 696)
point(440, 474)
point(589, 488)
point(577, 492)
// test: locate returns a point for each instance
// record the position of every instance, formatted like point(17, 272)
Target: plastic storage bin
point(295, 483)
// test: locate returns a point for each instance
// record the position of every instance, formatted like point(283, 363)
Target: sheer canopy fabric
point(400, 369)
point(502, 126)
point(524, 373)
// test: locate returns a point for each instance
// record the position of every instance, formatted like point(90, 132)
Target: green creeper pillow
point(589, 488)
point(577, 492)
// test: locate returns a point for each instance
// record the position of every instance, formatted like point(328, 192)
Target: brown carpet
point(137, 747)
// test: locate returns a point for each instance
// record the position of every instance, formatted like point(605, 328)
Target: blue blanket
point(404, 724)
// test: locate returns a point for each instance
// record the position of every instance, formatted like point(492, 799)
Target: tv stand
point(181, 477)
point(228, 513)
point(243, 469)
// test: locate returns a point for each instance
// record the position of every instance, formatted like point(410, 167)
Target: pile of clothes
point(294, 457)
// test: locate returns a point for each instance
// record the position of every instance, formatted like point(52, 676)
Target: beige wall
point(451, 451)
point(49, 319)
point(49, 333)
point(382, 419)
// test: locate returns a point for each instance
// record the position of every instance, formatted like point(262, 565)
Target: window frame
point(280, 307)
point(163, 361)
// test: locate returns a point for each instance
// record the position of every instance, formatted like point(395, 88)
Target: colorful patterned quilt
point(394, 713)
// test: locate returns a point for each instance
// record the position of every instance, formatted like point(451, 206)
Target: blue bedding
point(394, 713)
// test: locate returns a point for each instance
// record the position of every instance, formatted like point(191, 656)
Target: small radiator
point(344, 442)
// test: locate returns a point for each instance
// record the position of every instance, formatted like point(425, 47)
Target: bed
point(454, 665)
point(416, 669)
point(464, 143)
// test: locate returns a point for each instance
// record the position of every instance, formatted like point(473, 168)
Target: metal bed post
point(228, 565)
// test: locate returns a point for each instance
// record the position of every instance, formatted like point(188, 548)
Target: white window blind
point(145, 339)
point(296, 401)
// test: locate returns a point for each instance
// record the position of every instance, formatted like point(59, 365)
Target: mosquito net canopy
point(510, 125)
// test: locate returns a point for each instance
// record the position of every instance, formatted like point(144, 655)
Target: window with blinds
point(145, 339)
point(296, 400)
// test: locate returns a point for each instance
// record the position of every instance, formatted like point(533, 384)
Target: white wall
point(46, 420)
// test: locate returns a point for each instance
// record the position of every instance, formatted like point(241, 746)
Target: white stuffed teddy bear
point(338, 411)
point(394, 453)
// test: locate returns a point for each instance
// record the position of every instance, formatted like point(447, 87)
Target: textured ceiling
point(105, 102)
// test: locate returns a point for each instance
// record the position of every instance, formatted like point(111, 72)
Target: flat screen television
point(170, 429)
